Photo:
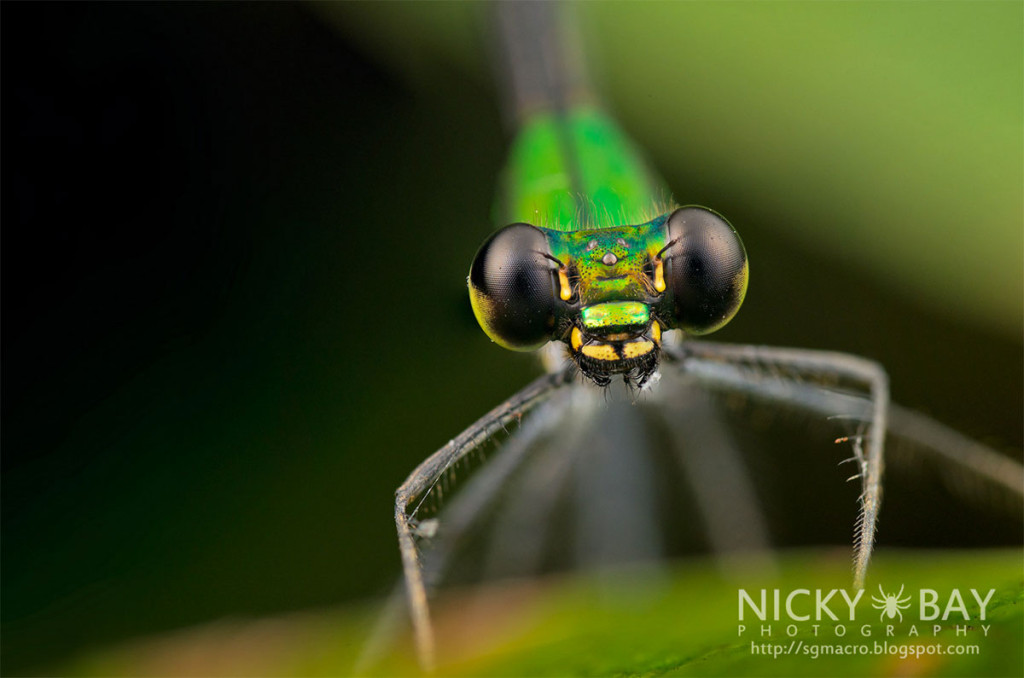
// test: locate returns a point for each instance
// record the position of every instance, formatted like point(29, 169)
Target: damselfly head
point(609, 293)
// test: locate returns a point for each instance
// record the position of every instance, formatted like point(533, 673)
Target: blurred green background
point(235, 240)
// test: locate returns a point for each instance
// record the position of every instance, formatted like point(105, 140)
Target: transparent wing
point(733, 453)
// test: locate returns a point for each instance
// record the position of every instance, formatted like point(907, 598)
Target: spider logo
point(890, 605)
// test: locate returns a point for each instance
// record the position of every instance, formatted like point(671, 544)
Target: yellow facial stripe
point(564, 288)
point(637, 348)
point(600, 352)
point(576, 339)
point(659, 275)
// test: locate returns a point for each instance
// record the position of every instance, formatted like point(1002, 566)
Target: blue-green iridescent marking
point(615, 315)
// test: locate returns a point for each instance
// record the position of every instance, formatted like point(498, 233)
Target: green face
point(609, 293)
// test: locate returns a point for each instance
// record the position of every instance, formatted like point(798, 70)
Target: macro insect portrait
point(513, 338)
point(612, 282)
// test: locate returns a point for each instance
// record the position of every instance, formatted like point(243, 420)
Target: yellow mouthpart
point(637, 348)
point(600, 352)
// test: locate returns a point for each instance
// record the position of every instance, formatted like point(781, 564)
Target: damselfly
point(610, 279)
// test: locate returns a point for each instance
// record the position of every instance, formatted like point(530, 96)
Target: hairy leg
point(423, 479)
point(821, 366)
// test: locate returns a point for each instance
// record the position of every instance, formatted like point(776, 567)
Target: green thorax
point(577, 176)
point(576, 170)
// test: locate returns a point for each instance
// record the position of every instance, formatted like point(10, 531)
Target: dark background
point(234, 318)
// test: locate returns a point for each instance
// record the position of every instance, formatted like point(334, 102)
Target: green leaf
point(682, 620)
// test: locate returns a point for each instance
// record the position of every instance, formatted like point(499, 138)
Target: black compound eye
point(705, 270)
point(513, 286)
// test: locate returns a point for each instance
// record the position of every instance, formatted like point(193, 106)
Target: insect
point(610, 281)
point(890, 605)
